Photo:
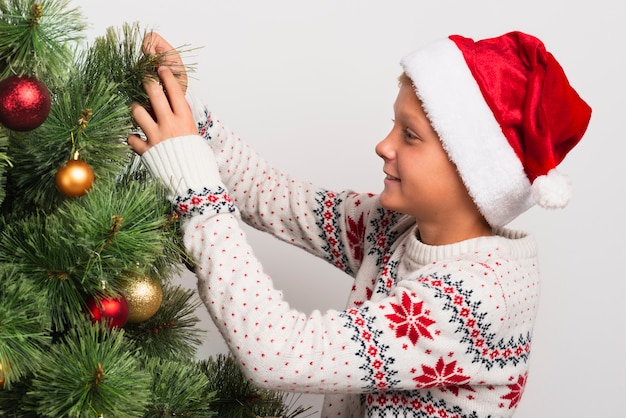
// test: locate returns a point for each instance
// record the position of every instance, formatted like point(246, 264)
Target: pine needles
point(237, 397)
point(92, 372)
point(38, 38)
point(22, 330)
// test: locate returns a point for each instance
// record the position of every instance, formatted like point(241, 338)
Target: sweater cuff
point(183, 163)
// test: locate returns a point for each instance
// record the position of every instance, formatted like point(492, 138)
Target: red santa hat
point(506, 115)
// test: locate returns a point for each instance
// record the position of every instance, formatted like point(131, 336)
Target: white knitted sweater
point(429, 331)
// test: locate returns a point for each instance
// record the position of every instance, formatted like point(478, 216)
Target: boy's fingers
point(137, 144)
point(143, 119)
point(175, 95)
point(154, 43)
point(156, 94)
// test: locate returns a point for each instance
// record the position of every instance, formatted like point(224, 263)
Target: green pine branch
point(179, 389)
point(35, 248)
point(119, 55)
point(38, 37)
point(23, 332)
point(237, 397)
point(122, 231)
point(93, 372)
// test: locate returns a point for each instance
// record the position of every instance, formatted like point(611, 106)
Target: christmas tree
point(92, 322)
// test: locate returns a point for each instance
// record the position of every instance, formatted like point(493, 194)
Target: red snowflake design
point(408, 320)
point(517, 390)
point(356, 233)
point(183, 208)
point(444, 375)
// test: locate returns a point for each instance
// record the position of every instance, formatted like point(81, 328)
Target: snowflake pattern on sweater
point(428, 331)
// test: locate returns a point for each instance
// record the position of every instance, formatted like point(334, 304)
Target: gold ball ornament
point(144, 296)
point(1, 377)
point(4, 370)
point(74, 178)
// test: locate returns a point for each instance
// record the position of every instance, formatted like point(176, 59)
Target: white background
point(311, 85)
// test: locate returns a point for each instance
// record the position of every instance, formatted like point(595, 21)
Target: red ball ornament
point(24, 103)
point(112, 311)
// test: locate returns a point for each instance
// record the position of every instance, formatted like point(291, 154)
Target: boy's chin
point(386, 201)
point(389, 203)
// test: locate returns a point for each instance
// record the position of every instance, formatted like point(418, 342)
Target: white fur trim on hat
point(469, 132)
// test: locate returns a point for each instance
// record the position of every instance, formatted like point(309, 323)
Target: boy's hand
point(171, 110)
point(155, 44)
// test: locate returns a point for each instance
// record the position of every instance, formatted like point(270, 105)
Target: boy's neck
point(449, 234)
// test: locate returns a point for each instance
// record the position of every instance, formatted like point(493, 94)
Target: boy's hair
point(404, 80)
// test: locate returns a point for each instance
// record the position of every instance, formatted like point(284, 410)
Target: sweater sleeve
point(325, 223)
point(376, 346)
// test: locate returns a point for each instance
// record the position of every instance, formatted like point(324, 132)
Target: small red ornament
point(24, 103)
point(113, 311)
point(74, 178)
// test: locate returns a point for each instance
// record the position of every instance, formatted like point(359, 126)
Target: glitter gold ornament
point(74, 178)
point(144, 296)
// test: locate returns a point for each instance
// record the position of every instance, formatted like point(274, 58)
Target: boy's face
point(420, 179)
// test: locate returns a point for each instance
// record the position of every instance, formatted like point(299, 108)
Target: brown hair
point(404, 79)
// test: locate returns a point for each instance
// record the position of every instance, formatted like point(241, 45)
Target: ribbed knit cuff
point(183, 163)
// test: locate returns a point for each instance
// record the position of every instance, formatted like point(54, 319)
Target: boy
point(440, 317)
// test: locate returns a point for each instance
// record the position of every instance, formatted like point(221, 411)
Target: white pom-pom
point(552, 191)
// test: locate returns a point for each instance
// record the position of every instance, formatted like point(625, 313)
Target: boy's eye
point(409, 135)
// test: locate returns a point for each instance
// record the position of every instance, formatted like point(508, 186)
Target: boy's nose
point(384, 148)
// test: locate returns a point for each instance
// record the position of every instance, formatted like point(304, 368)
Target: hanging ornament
point(112, 311)
point(2, 379)
point(144, 296)
point(24, 103)
point(74, 178)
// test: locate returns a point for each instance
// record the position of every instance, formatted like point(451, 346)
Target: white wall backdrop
point(311, 85)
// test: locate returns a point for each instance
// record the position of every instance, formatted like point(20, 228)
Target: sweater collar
point(517, 244)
